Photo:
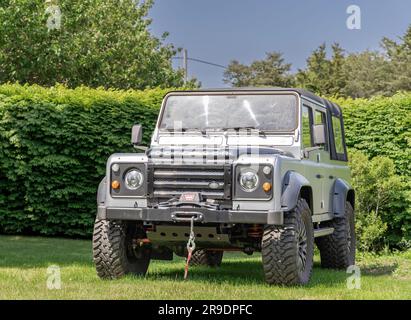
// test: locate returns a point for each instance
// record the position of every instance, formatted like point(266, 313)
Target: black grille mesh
point(168, 181)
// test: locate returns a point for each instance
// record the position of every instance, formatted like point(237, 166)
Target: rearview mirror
point(136, 134)
point(319, 134)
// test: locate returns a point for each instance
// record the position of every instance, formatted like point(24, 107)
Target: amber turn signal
point(115, 184)
point(267, 186)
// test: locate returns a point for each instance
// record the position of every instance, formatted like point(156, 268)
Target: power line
point(185, 59)
point(203, 61)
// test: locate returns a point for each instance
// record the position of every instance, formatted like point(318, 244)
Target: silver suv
point(250, 170)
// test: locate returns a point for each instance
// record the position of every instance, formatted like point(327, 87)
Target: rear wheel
point(117, 250)
point(337, 250)
point(206, 258)
point(287, 250)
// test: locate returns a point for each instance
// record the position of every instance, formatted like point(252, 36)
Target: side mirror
point(136, 134)
point(319, 134)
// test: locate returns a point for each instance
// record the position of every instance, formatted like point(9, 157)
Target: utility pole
point(185, 65)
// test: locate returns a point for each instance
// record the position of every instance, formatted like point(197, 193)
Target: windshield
point(265, 112)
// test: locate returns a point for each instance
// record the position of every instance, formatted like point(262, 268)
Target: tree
point(359, 75)
point(315, 76)
point(271, 71)
point(237, 74)
point(338, 79)
point(93, 42)
point(367, 74)
point(324, 76)
point(399, 56)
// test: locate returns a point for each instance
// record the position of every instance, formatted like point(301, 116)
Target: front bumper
point(203, 215)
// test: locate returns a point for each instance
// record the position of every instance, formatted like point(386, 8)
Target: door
point(313, 168)
point(326, 170)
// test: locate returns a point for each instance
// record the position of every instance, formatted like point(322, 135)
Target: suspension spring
point(255, 231)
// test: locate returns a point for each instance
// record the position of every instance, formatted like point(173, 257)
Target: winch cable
point(190, 247)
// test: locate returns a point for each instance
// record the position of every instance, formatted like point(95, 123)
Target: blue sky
point(219, 31)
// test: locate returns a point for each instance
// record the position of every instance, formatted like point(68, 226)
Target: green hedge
point(53, 147)
point(54, 144)
point(381, 127)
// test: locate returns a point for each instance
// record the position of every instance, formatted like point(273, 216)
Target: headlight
point(248, 180)
point(134, 179)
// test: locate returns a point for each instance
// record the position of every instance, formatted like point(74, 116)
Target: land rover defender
point(249, 170)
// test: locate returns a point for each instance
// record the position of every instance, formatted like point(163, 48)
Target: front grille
point(170, 181)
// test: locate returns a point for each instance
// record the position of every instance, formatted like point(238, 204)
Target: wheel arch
point(101, 199)
point(294, 186)
point(101, 191)
point(306, 193)
point(351, 197)
point(342, 192)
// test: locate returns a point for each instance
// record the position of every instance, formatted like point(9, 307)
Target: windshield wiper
point(202, 131)
point(260, 132)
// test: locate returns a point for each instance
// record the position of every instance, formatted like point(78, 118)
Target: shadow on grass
point(242, 273)
point(37, 252)
point(379, 270)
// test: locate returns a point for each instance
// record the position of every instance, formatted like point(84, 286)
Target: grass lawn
point(24, 262)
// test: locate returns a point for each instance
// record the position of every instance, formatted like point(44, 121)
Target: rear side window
point(320, 118)
point(306, 126)
point(338, 136)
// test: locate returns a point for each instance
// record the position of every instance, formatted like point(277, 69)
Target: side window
point(306, 127)
point(320, 118)
point(338, 135)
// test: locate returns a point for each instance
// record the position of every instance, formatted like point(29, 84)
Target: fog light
point(115, 184)
point(267, 186)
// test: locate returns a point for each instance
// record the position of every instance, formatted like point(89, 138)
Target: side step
point(323, 232)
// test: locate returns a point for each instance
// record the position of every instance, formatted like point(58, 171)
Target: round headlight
point(134, 179)
point(248, 180)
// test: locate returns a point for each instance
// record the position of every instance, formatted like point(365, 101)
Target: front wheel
point(117, 250)
point(288, 250)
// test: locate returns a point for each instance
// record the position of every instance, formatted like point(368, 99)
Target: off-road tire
point(337, 250)
point(206, 258)
point(283, 248)
point(113, 252)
